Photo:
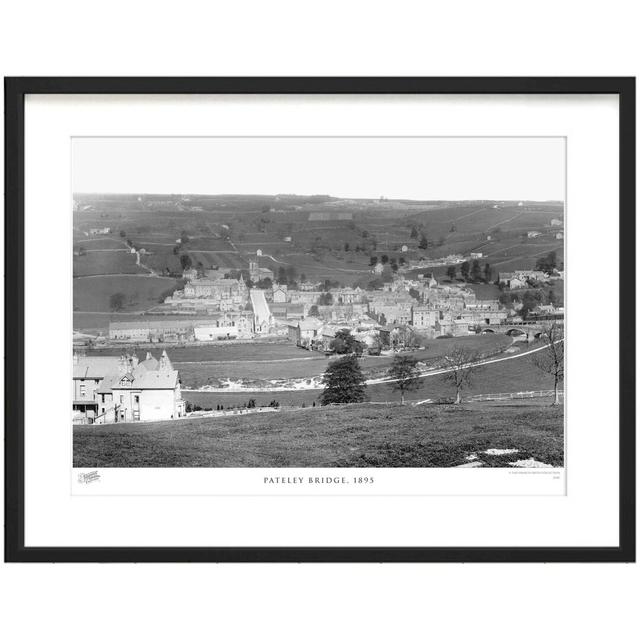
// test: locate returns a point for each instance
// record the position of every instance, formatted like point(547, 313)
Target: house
point(88, 374)
point(257, 273)
point(452, 327)
point(476, 254)
point(555, 222)
point(533, 234)
point(190, 274)
point(100, 232)
point(378, 269)
point(147, 390)
point(512, 280)
point(347, 295)
point(222, 288)
point(304, 297)
point(279, 293)
point(309, 286)
point(152, 331)
point(424, 317)
point(123, 389)
point(531, 274)
point(304, 332)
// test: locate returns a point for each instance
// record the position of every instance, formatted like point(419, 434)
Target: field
point(509, 376)
point(347, 436)
point(309, 365)
point(116, 261)
point(330, 239)
point(256, 364)
point(141, 292)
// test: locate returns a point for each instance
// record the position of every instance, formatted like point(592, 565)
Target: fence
point(547, 393)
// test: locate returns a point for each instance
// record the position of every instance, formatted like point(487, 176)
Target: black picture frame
point(15, 91)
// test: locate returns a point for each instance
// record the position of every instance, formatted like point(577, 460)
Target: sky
point(419, 168)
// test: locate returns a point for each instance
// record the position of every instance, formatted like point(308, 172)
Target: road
point(480, 363)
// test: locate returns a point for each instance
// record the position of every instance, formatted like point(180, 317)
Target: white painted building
point(126, 390)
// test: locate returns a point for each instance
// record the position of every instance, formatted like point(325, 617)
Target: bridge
point(525, 330)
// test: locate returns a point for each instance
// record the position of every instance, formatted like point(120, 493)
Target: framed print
point(320, 319)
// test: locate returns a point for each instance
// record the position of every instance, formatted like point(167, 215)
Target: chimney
point(164, 363)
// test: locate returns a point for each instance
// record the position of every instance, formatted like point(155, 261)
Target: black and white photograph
point(318, 302)
point(335, 305)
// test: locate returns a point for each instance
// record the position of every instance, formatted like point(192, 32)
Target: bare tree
point(405, 374)
point(458, 370)
point(551, 359)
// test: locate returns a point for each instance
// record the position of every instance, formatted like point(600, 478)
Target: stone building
point(125, 389)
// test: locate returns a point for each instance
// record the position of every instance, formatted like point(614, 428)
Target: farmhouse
point(475, 255)
point(555, 222)
point(100, 232)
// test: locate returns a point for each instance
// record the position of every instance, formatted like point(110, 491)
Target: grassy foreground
point(364, 435)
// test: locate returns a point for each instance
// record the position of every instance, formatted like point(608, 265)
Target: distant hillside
point(322, 237)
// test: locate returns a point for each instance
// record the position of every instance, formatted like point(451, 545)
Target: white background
point(368, 38)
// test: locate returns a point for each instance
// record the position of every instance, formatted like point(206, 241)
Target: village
point(401, 310)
